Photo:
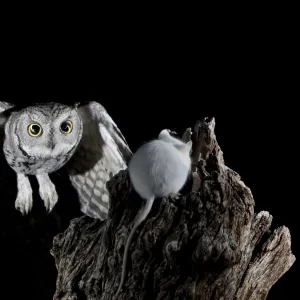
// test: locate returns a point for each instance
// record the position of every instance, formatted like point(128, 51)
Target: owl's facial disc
point(46, 131)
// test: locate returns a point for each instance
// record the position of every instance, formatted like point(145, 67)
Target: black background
point(246, 79)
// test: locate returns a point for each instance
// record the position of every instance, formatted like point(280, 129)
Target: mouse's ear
point(164, 134)
point(189, 146)
point(186, 148)
point(180, 147)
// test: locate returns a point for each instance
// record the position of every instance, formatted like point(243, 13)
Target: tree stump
point(205, 243)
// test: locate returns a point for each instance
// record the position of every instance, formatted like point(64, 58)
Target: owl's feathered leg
point(47, 191)
point(24, 201)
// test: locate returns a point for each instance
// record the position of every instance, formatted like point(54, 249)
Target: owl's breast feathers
point(32, 165)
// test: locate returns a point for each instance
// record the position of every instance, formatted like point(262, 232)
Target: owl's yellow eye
point(66, 127)
point(35, 129)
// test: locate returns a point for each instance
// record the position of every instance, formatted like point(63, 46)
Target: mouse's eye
point(66, 127)
point(35, 129)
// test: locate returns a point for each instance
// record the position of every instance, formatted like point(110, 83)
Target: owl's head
point(44, 130)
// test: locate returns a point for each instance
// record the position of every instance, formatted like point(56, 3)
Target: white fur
point(157, 169)
point(164, 135)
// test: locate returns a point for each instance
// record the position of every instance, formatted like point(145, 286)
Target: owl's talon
point(24, 200)
point(23, 203)
point(47, 191)
point(49, 196)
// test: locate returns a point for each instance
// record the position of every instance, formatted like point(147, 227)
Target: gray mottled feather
point(102, 152)
point(4, 106)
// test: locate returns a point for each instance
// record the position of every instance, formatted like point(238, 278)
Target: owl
point(42, 138)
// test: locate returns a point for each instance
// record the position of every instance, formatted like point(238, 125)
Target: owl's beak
point(51, 145)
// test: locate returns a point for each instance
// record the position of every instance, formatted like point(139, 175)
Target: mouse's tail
point(140, 218)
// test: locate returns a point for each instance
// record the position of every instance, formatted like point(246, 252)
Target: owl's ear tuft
point(79, 104)
point(76, 104)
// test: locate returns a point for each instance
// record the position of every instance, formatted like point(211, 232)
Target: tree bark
point(205, 243)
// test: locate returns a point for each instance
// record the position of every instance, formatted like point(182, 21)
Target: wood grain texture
point(206, 243)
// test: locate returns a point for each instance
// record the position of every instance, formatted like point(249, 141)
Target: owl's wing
point(102, 152)
point(4, 107)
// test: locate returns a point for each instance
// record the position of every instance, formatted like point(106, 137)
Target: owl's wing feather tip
point(105, 151)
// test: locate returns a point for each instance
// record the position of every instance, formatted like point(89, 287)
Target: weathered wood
point(206, 243)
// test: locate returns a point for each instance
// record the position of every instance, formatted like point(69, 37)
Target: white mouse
point(157, 169)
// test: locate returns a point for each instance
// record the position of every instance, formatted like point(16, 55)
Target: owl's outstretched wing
point(102, 152)
point(4, 106)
